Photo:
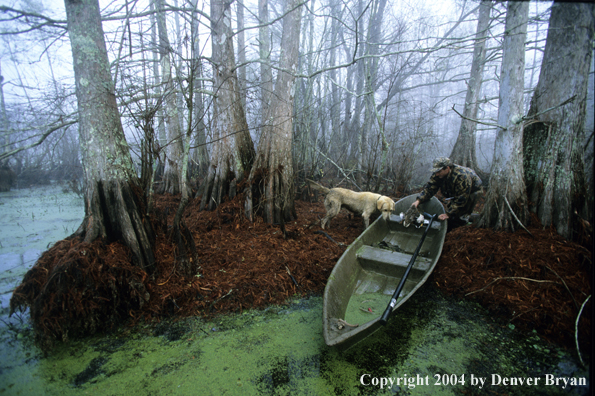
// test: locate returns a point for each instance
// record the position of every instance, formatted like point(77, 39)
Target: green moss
point(280, 350)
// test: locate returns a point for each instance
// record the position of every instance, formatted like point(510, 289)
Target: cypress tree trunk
point(271, 178)
point(553, 140)
point(233, 150)
point(463, 152)
point(174, 150)
point(114, 207)
point(507, 196)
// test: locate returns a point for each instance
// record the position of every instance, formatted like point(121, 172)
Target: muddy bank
point(280, 350)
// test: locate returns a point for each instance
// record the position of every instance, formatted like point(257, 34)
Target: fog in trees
point(380, 89)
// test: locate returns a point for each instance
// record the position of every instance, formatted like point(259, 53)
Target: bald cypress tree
point(233, 151)
point(554, 135)
point(463, 152)
point(271, 178)
point(113, 199)
point(506, 201)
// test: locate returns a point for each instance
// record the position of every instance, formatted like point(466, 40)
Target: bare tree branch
point(34, 20)
point(39, 141)
point(477, 121)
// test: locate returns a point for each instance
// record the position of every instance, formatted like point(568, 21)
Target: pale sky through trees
point(29, 55)
point(409, 29)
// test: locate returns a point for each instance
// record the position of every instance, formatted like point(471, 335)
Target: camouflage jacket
point(459, 184)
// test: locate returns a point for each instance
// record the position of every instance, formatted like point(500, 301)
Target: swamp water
point(435, 346)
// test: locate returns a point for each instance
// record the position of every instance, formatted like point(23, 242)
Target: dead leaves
point(536, 283)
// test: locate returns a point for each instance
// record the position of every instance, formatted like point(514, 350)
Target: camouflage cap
point(440, 163)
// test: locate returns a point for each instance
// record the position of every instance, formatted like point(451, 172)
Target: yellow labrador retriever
point(363, 203)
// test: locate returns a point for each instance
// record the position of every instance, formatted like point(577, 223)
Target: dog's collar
point(379, 196)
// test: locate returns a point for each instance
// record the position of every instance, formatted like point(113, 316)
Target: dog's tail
point(318, 187)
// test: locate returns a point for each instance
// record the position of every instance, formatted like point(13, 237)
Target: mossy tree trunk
point(506, 201)
point(233, 150)
point(553, 140)
point(114, 205)
point(271, 189)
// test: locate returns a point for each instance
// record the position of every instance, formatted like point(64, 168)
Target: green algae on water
point(280, 351)
point(365, 307)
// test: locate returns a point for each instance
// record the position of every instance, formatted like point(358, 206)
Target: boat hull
point(362, 282)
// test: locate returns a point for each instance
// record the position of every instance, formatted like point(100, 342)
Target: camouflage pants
point(457, 221)
point(468, 209)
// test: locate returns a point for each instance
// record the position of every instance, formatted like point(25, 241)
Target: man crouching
point(459, 185)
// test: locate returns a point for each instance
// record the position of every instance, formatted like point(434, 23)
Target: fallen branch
point(516, 218)
point(576, 330)
point(575, 303)
point(522, 313)
point(291, 276)
point(329, 237)
point(511, 278)
point(221, 298)
point(342, 322)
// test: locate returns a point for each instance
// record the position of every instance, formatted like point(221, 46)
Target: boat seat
point(391, 263)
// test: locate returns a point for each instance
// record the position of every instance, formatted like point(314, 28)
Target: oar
point(393, 301)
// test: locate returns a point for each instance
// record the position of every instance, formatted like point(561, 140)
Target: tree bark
point(351, 131)
point(335, 102)
point(463, 152)
point(174, 150)
point(233, 150)
point(4, 124)
point(266, 74)
point(185, 251)
point(241, 51)
point(507, 191)
point(200, 155)
point(271, 179)
point(553, 141)
point(113, 200)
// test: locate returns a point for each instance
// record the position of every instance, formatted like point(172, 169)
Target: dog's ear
point(385, 203)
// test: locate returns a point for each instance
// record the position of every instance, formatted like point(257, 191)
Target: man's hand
point(442, 216)
point(415, 203)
